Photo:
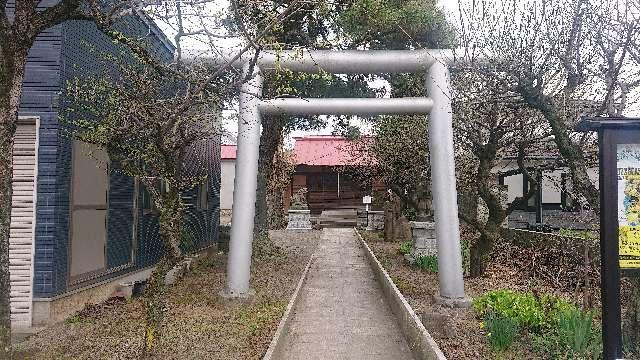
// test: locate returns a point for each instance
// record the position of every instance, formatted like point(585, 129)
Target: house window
point(89, 208)
point(203, 196)
point(148, 204)
point(147, 201)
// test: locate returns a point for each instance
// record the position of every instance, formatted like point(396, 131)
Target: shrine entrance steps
point(338, 218)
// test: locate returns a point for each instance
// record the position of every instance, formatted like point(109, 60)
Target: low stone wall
point(424, 238)
point(556, 219)
point(361, 220)
point(422, 345)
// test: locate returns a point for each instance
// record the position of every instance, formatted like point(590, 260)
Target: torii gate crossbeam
point(437, 106)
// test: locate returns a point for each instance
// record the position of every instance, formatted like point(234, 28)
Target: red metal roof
point(228, 152)
point(328, 150)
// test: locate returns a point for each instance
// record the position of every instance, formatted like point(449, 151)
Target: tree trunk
point(155, 304)
point(6, 174)
point(11, 76)
point(269, 141)
point(481, 249)
point(171, 219)
point(570, 152)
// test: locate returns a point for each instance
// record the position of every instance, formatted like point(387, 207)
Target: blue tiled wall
point(60, 54)
point(40, 97)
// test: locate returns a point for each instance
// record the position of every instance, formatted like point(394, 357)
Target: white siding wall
point(513, 183)
point(227, 175)
point(22, 228)
point(514, 187)
point(594, 176)
point(552, 187)
point(551, 182)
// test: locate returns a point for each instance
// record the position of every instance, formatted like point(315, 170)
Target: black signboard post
point(619, 143)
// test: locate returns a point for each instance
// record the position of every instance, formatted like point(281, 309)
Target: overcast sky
point(193, 46)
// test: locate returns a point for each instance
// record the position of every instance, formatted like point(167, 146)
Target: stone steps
point(341, 218)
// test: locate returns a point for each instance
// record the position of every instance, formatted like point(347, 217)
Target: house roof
point(228, 152)
point(329, 150)
point(599, 123)
point(153, 28)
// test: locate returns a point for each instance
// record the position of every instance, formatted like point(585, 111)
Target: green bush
point(501, 331)
point(529, 311)
point(405, 247)
point(574, 337)
point(427, 263)
point(575, 330)
point(558, 329)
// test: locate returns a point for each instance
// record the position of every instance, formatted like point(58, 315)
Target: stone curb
point(420, 341)
point(276, 342)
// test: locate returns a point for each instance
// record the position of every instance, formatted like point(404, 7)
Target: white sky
point(193, 46)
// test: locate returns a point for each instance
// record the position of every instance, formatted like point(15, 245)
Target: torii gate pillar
point(438, 106)
point(443, 187)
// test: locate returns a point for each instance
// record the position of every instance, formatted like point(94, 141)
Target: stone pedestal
point(361, 220)
point(375, 220)
point(299, 220)
point(424, 238)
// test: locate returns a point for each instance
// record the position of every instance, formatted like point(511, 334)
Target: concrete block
point(299, 220)
point(375, 220)
point(424, 238)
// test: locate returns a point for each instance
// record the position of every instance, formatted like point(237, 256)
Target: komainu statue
point(299, 200)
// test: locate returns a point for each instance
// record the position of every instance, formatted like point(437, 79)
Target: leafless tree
point(18, 32)
point(564, 59)
point(491, 124)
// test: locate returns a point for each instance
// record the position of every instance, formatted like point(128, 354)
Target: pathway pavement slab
point(342, 312)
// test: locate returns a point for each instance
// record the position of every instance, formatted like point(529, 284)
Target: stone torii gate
point(437, 106)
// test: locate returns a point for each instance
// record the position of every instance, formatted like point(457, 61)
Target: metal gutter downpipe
point(244, 187)
point(443, 188)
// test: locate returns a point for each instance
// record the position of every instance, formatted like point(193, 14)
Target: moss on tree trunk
point(481, 250)
point(171, 217)
point(11, 76)
point(269, 142)
point(6, 174)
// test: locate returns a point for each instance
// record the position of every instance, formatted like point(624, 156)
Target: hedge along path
point(342, 312)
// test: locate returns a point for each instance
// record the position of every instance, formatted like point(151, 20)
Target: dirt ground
point(198, 324)
point(457, 331)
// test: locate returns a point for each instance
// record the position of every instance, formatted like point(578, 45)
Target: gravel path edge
point(275, 345)
point(422, 344)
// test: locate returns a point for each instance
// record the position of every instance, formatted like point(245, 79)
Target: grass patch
point(405, 248)
point(428, 263)
point(258, 318)
point(501, 332)
point(385, 261)
point(77, 318)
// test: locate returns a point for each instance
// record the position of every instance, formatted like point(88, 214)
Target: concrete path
point(342, 312)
